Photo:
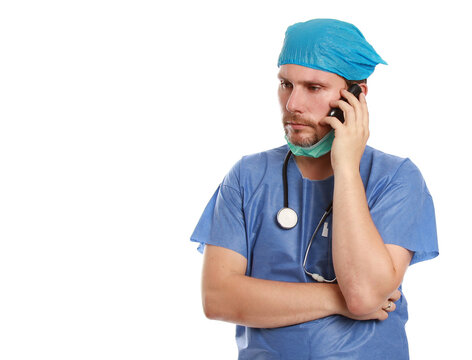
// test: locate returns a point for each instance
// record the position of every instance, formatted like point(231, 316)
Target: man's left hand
point(350, 136)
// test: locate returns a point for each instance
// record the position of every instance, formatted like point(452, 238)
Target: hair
point(351, 82)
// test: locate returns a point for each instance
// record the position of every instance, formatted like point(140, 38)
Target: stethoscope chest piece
point(287, 218)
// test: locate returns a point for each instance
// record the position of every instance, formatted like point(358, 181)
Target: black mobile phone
point(337, 112)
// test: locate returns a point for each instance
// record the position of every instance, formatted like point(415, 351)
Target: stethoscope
point(288, 218)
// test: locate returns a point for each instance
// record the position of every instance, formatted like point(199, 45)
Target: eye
point(284, 84)
point(314, 88)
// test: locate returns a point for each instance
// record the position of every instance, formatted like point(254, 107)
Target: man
point(258, 272)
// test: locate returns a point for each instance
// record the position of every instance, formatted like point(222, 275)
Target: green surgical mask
point(319, 149)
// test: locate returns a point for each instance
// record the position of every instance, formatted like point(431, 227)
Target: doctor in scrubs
point(257, 272)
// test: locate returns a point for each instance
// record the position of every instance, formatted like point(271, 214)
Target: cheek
point(283, 98)
point(320, 104)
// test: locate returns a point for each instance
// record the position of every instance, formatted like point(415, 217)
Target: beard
point(306, 140)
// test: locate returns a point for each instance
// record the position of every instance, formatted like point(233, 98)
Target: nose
point(295, 102)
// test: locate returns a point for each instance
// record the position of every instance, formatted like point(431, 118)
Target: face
point(304, 96)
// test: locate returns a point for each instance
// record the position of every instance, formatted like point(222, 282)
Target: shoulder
point(255, 165)
point(252, 170)
point(400, 204)
point(381, 161)
point(378, 162)
point(380, 170)
point(265, 158)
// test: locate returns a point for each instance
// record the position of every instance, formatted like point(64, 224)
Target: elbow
point(210, 309)
point(359, 307)
point(215, 307)
point(364, 299)
point(363, 304)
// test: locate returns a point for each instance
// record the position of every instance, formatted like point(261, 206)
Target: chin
point(302, 141)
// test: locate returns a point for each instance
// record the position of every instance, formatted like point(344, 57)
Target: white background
point(120, 118)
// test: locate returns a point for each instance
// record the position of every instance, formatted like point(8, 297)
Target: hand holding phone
point(350, 137)
point(337, 112)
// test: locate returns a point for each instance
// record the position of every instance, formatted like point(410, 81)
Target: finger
point(395, 295)
point(348, 110)
point(331, 121)
point(354, 102)
point(383, 315)
point(360, 108)
point(364, 109)
point(351, 99)
point(389, 306)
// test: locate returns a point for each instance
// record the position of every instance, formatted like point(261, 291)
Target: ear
point(364, 88)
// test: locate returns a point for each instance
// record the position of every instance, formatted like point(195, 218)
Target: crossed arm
point(229, 295)
point(368, 271)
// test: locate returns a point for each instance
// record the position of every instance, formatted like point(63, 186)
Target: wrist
point(337, 305)
point(347, 172)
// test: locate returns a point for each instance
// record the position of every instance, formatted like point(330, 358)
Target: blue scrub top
point(241, 216)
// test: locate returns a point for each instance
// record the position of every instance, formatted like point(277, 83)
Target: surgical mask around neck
point(317, 150)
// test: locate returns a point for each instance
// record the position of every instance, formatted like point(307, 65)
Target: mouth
point(296, 126)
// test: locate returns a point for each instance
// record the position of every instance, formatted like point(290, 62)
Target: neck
point(315, 168)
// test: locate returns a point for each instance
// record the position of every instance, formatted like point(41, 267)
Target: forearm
point(365, 271)
point(263, 303)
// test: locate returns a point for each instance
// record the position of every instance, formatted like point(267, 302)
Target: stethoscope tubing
point(328, 211)
point(322, 220)
point(284, 177)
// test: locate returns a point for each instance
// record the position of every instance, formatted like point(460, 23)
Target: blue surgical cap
point(330, 45)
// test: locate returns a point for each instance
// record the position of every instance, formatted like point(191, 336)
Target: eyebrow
point(305, 83)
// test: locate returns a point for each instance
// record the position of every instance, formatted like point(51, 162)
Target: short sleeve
point(222, 222)
point(404, 214)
